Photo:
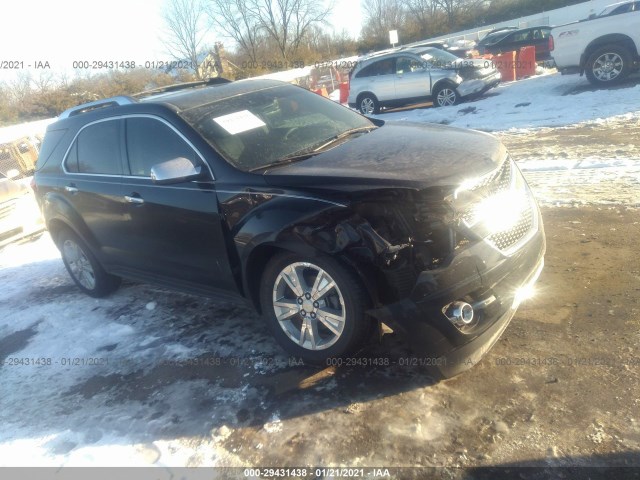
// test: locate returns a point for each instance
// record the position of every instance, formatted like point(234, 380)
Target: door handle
point(136, 200)
point(71, 189)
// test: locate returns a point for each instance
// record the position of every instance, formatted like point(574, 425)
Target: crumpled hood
point(398, 154)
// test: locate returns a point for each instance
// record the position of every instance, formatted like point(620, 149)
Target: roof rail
point(182, 86)
point(106, 102)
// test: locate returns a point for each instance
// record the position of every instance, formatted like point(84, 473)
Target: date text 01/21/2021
point(317, 472)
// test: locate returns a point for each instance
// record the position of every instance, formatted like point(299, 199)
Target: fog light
point(459, 313)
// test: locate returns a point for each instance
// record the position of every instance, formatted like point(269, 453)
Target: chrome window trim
point(124, 117)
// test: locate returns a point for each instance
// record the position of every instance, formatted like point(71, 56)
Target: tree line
point(260, 36)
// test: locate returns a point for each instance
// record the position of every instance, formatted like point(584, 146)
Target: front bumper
point(481, 276)
point(479, 85)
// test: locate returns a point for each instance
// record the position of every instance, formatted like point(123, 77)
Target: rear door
point(379, 79)
point(92, 187)
point(412, 78)
point(174, 232)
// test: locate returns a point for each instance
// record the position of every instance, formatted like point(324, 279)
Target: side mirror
point(175, 171)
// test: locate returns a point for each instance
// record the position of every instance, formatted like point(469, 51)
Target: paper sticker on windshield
point(239, 122)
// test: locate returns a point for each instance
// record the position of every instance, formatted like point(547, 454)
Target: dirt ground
point(561, 388)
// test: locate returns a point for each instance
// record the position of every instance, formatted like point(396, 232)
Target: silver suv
point(412, 75)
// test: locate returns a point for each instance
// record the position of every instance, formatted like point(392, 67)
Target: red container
point(344, 92)
point(506, 64)
point(526, 62)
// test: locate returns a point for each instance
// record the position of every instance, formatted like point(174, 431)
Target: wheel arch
point(609, 39)
point(307, 227)
point(60, 215)
point(440, 83)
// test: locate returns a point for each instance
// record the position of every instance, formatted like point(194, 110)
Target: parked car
point(619, 8)
point(417, 74)
point(324, 220)
point(461, 49)
point(19, 213)
point(510, 40)
point(605, 48)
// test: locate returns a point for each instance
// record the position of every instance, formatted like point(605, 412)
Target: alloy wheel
point(79, 264)
point(309, 306)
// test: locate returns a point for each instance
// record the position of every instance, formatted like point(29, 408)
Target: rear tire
point(368, 104)
point(314, 307)
point(608, 65)
point(84, 269)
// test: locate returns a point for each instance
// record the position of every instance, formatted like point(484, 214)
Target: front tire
point(445, 96)
point(84, 269)
point(608, 65)
point(314, 307)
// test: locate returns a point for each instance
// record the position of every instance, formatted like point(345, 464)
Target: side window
point(368, 71)
point(71, 163)
point(519, 37)
point(386, 67)
point(407, 65)
point(96, 150)
point(150, 142)
point(382, 67)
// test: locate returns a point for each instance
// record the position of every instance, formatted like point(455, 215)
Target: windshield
point(265, 127)
point(616, 9)
point(435, 56)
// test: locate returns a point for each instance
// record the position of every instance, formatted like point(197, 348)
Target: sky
point(65, 31)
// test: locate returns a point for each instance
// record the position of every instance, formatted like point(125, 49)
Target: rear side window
point(96, 150)
point(49, 144)
point(150, 142)
point(382, 67)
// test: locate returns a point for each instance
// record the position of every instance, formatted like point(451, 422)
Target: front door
point(174, 232)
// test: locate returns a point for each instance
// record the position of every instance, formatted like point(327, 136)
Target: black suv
point(326, 221)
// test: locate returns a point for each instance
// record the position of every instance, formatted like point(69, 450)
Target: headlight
point(501, 211)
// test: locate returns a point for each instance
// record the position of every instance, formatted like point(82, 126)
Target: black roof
point(179, 97)
point(191, 98)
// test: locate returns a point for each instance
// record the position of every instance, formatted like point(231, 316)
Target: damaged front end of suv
point(446, 257)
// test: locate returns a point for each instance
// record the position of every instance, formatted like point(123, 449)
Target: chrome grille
point(7, 208)
point(505, 180)
point(508, 238)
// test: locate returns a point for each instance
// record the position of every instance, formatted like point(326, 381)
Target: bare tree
point(421, 14)
point(380, 16)
point(239, 20)
point(286, 23)
point(186, 30)
point(289, 21)
point(455, 8)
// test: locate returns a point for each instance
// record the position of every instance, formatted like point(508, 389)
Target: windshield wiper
point(342, 135)
point(285, 160)
point(313, 150)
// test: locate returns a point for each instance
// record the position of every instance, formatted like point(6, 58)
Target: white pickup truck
point(605, 47)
